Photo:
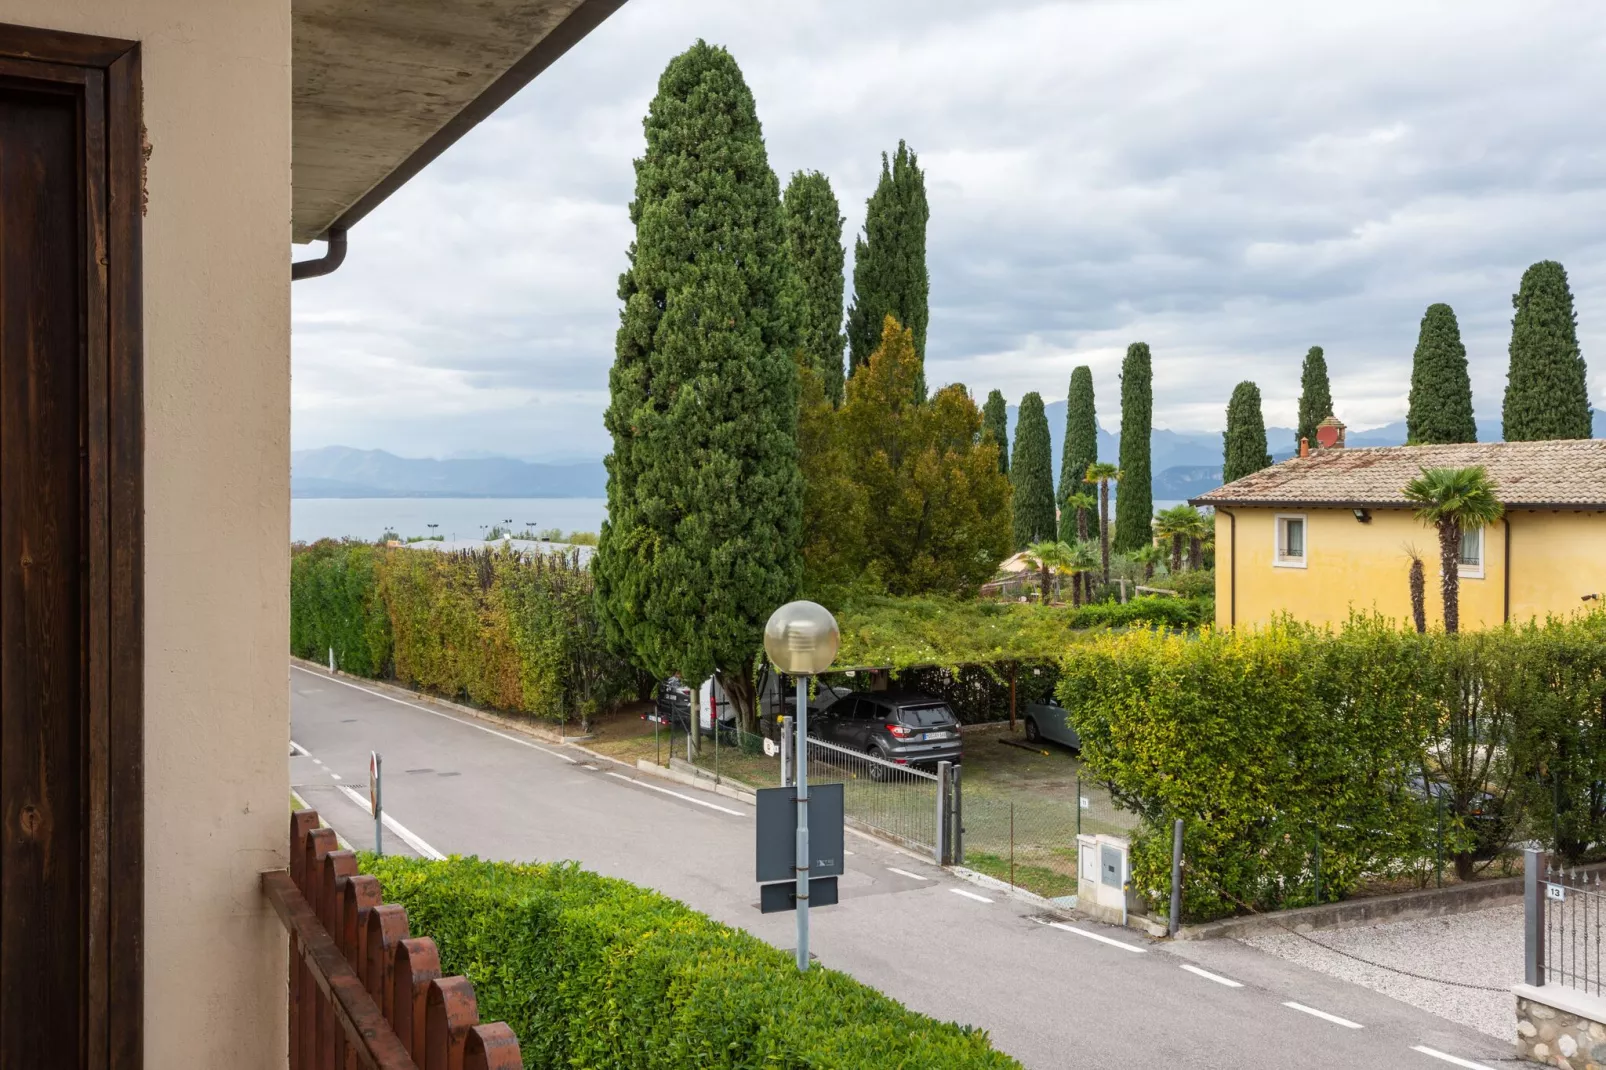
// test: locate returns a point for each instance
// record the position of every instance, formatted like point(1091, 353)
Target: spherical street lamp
point(801, 639)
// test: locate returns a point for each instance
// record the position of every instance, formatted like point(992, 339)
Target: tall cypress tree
point(1315, 397)
point(889, 262)
point(704, 491)
point(1441, 391)
point(1547, 393)
point(1245, 437)
point(814, 243)
point(995, 422)
point(1080, 449)
point(1031, 472)
point(1134, 495)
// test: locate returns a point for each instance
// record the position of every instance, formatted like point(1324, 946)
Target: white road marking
point(1208, 976)
point(1466, 1064)
point(1335, 1019)
point(438, 713)
point(298, 748)
point(676, 794)
point(906, 873)
point(970, 895)
point(407, 835)
point(317, 761)
point(335, 775)
point(1122, 944)
point(847, 852)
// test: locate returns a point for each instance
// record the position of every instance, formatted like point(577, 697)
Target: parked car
point(904, 727)
point(674, 699)
point(672, 702)
point(1048, 720)
point(1483, 817)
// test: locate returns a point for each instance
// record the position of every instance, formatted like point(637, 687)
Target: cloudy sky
point(1230, 181)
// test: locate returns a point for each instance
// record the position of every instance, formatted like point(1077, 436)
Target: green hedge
point(595, 972)
point(497, 628)
point(335, 604)
point(1298, 757)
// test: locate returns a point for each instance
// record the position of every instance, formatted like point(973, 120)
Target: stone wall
point(1561, 1027)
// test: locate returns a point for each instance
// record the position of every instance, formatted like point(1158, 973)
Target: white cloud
point(1230, 182)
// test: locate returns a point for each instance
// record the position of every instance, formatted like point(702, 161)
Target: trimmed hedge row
point(591, 971)
point(501, 629)
point(1304, 760)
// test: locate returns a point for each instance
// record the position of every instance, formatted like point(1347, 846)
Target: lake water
point(458, 518)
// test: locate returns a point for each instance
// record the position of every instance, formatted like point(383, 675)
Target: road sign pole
point(375, 776)
point(801, 753)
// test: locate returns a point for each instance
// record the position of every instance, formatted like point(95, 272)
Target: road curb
point(692, 780)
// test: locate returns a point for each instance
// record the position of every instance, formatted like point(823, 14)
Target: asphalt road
point(1079, 996)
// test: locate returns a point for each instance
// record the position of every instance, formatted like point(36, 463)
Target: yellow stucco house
point(1320, 535)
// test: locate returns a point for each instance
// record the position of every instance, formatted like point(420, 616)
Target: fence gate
point(896, 802)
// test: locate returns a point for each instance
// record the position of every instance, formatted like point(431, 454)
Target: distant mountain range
point(343, 472)
point(1185, 463)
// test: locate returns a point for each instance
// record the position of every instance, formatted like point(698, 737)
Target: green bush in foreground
point(596, 972)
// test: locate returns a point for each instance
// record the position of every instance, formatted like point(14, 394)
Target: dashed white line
point(1465, 1064)
point(970, 895)
point(317, 761)
point(1335, 1019)
point(297, 748)
point(906, 873)
point(335, 775)
point(676, 794)
point(438, 713)
point(407, 835)
point(1208, 976)
point(1122, 944)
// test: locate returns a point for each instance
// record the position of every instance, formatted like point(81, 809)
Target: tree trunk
point(1195, 553)
point(1076, 590)
point(1104, 526)
point(1148, 570)
point(1046, 591)
point(1419, 596)
point(1450, 574)
point(1081, 524)
point(739, 689)
point(1176, 553)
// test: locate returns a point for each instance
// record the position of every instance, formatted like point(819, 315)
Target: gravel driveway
point(1481, 948)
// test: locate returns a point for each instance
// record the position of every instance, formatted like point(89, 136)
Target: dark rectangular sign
point(777, 833)
point(775, 898)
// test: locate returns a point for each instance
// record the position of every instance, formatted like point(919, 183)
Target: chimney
point(1330, 434)
point(1304, 446)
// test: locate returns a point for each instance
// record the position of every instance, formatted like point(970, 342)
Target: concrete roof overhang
point(382, 87)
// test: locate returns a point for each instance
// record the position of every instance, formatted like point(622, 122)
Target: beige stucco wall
point(217, 425)
point(1555, 558)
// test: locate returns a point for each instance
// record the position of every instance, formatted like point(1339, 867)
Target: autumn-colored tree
point(915, 501)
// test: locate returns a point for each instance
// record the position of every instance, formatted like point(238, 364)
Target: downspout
point(1232, 568)
point(1507, 577)
point(333, 256)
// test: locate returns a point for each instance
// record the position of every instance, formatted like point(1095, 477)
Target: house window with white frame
point(1290, 541)
point(1471, 560)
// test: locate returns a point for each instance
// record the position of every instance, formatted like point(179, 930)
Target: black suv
point(905, 727)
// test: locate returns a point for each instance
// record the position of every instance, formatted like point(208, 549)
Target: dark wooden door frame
point(103, 76)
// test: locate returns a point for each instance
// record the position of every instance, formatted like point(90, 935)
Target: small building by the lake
point(1321, 535)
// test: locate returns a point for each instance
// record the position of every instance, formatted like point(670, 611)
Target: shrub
point(1197, 583)
point(501, 629)
point(593, 971)
point(334, 603)
point(1273, 741)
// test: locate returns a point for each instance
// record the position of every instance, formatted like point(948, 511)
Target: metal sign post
point(375, 762)
point(802, 823)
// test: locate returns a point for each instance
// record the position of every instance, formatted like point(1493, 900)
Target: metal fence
point(1029, 838)
point(898, 802)
point(1563, 925)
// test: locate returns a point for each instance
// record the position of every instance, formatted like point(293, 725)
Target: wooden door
point(71, 906)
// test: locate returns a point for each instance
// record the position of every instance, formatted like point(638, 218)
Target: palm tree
point(1453, 500)
point(1198, 530)
point(1051, 558)
point(1148, 556)
point(1175, 524)
point(1084, 504)
point(1084, 561)
point(1419, 597)
point(1101, 472)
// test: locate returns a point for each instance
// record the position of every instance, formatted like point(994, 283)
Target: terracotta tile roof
point(1569, 472)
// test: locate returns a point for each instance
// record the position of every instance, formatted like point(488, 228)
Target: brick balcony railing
point(363, 993)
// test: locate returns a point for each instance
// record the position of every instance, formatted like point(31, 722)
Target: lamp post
point(801, 639)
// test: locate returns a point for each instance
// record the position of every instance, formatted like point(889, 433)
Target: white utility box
point(1104, 870)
